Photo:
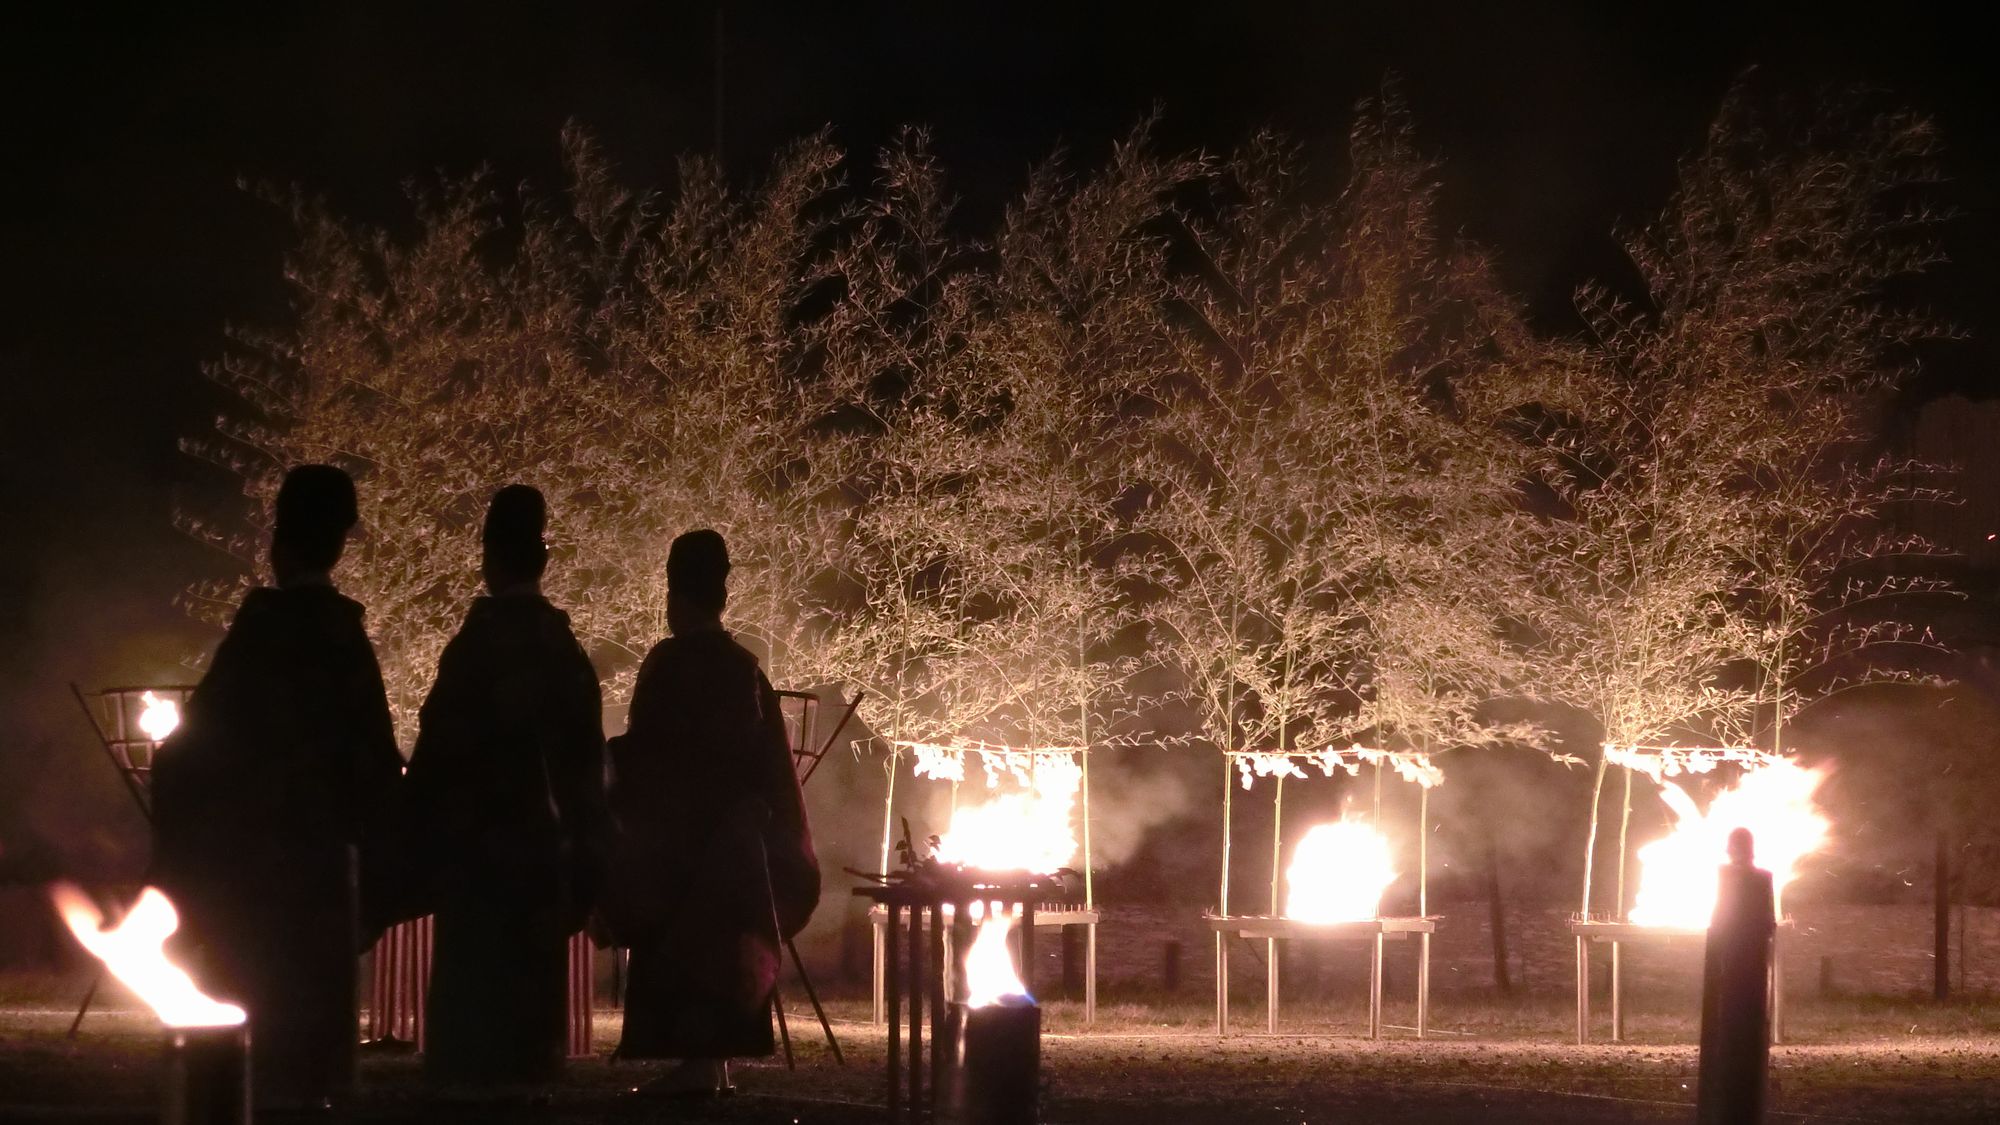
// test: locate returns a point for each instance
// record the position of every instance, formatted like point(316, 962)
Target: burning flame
point(1027, 830)
point(1677, 873)
point(1338, 874)
point(133, 951)
point(990, 977)
point(158, 717)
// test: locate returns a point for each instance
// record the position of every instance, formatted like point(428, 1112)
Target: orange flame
point(133, 951)
point(990, 976)
point(158, 717)
point(1338, 874)
point(1677, 874)
point(1032, 829)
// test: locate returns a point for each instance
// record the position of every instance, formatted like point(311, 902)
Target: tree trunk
point(1497, 909)
point(1941, 922)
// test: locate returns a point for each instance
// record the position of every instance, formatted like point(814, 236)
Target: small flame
point(133, 951)
point(1028, 830)
point(1338, 874)
point(989, 965)
point(1677, 874)
point(158, 717)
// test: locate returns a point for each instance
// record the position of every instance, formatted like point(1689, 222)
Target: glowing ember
point(1026, 830)
point(158, 717)
point(1338, 874)
point(133, 951)
point(1677, 873)
point(989, 965)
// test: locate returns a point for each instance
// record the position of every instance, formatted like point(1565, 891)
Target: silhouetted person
point(1735, 992)
point(707, 803)
point(285, 757)
point(506, 793)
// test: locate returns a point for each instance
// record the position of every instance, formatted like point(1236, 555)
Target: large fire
point(133, 951)
point(1774, 800)
point(1030, 827)
point(1338, 873)
point(990, 976)
point(158, 717)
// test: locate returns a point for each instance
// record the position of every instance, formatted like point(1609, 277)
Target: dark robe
point(506, 798)
point(714, 860)
point(285, 757)
point(1735, 1000)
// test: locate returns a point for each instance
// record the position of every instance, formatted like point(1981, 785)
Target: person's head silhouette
point(314, 512)
point(1741, 848)
point(513, 554)
point(697, 576)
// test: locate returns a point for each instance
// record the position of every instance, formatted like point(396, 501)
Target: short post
point(1170, 968)
point(1736, 993)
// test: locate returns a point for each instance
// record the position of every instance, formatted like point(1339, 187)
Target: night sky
point(128, 246)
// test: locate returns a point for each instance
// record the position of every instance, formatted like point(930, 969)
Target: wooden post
point(1582, 989)
point(1941, 921)
point(1496, 912)
point(892, 988)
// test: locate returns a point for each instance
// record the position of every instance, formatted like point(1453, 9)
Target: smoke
point(1133, 791)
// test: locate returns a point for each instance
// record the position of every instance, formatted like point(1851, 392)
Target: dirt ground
point(1155, 1064)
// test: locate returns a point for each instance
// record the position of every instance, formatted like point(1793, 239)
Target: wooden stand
point(917, 964)
point(399, 989)
point(1274, 930)
point(1047, 916)
point(1617, 934)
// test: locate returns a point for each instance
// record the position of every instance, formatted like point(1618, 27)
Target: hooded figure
point(286, 757)
point(506, 801)
point(714, 864)
point(1735, 992)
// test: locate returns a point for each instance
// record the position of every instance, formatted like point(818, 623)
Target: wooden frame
point(1048, 915)
point(1245, 765)
point(1616, 931)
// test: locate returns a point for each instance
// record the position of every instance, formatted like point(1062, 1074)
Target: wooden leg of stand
point(892, 963)
point(1221, 983)
point(1271, 985)
point(1582, 990)
point(1090, 976)
point(1423, 985)
point(1375, 991)
point(918, 1110)
point(1617, 992)
point(935, 977)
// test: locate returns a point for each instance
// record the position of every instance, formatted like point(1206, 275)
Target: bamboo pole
point(1624, 828)
point(1228, 794)
point(1590, 840)
point(889, 808)
point(1423, 851)
point(1277, 844)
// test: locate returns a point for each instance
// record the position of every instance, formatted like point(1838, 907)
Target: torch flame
point(989, 965)
point(1027, 830)
point(1677, 874)
point(133, 951)
point(1338, 874)
point(158, 717)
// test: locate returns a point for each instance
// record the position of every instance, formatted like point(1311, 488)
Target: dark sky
point(127, 245)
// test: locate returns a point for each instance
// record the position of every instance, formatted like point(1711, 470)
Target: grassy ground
point(1159, 1062)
